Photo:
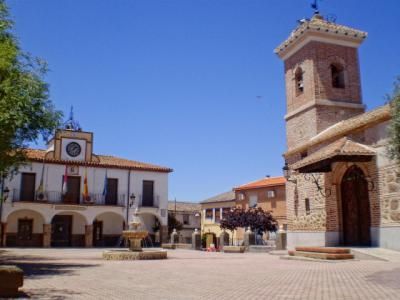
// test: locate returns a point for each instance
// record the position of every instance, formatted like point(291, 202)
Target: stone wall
point(390, 195)
point(299, 219)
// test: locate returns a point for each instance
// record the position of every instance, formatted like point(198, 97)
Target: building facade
point(267, 193)
point(213, 210)
point(342, 188)
point(189, 214)
point(68, 196)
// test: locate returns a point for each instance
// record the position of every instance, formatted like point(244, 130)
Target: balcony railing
point(53, 197)
point(149, 201)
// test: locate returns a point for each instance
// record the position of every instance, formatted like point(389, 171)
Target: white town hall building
point(67, 196)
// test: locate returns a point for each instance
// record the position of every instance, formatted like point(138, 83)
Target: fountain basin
point(130, 234)
point(135, 239)
point(147, 254)
point(135, 251)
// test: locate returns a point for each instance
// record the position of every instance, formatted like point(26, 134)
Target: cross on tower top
point(315, 7)
point(71, 124)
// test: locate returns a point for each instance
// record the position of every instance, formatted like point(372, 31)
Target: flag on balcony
point(65, 178)
point(40, 194)
point(85, 188)
point(105, 184)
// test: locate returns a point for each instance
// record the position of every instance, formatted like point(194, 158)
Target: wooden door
point(61, 231)
point(112, 191)
point(73, 194)
point(27, 187)
point(210, 239)
point(148, 193)
point(356, 217)
point(25, 229)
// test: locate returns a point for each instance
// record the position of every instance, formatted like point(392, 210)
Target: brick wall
point(276, 205)
point(315, 60)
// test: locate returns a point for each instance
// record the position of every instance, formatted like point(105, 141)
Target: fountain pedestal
point(135, 239)
point(135, 252)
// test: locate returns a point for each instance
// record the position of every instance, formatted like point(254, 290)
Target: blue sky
point(177, 82)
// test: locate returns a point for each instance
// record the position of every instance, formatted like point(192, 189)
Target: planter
point(11, 278)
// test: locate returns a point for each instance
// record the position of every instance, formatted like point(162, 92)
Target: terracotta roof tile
point(224, 197)
point(103, 161)
point(343, 128)
point(184, 206)
point(318, 24)
point(341, 147)
point(264, 182)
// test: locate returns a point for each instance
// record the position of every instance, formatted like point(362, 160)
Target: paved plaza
point(82, 274)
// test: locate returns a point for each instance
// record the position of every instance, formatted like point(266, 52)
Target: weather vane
point(315, 6)
point(71, 124)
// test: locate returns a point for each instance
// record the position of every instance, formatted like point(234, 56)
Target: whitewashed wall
point(38, 220)
point(53, 182)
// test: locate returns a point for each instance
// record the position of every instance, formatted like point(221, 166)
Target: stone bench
point(11, 278)
point(234, 249)
point(168, 246)
point(177, 246)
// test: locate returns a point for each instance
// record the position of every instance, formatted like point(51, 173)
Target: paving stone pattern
point(82, 274)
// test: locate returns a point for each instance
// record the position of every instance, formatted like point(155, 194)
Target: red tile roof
point(224, 197)
point(318, 24)
point(101, 161)
point(345, 127)
point(264, 182)
point(342, 147)
point(184, 206)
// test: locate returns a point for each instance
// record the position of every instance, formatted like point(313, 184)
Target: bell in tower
point(322, 77)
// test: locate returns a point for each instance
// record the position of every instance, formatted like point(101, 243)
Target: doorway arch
point(356, 217)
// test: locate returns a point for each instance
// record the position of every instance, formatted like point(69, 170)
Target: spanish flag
point(85, 188)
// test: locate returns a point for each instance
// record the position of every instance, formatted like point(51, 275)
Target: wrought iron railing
point(54, 197)
point(149, 201)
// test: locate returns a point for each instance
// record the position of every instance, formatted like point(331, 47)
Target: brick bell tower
point(322, 77)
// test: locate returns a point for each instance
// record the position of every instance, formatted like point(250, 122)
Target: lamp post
point(197, 215)
point(287, 172)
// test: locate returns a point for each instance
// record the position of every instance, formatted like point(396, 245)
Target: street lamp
point(197, 215)
point(287, 173)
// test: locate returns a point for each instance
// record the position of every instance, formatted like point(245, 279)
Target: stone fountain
point(135, 235)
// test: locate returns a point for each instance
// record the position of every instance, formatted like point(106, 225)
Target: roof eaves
point(341, 129)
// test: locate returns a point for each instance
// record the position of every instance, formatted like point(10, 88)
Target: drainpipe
point(128, 199)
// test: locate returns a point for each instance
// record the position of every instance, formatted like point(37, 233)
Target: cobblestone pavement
point(82, 274)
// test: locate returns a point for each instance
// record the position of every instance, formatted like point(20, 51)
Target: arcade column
point(88, 236)
point(46, 235)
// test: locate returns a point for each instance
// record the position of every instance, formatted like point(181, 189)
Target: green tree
point(26, 113)
point(394, 128)
point(173, 223)
point(257, 219)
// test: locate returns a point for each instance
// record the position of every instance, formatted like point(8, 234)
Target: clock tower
point(70, 143)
